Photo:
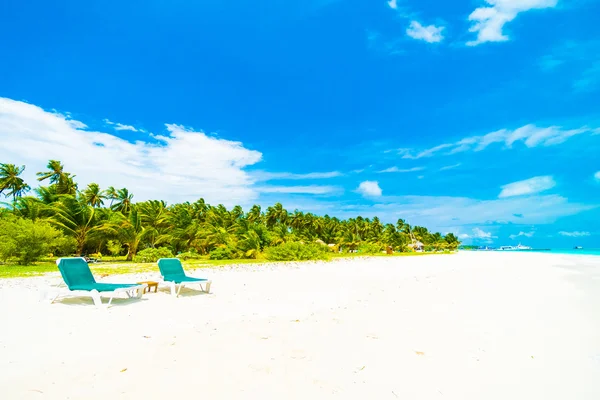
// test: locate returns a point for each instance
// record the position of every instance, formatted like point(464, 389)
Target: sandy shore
point(465, 326)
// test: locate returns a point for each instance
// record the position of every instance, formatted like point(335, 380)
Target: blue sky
point(478, 117)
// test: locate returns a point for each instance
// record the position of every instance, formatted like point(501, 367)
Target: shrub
point(370, 248)
point(189, 255)
point(114, 247)
point(153, 255)
point(221, 253)
point(334, 249)
point(28, 240)
point(64, 246)
point(295, 251)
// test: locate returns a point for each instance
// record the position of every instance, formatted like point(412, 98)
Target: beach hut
point(417, 246)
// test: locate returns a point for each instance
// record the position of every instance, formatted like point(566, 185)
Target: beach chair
point(80, 281)
point(172, 273)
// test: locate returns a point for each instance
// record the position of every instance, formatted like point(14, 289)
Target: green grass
point(118, 266)
point(21, 271)
point(110, 267)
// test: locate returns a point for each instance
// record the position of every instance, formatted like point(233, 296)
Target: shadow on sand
point(185, 292)
point(88, 302)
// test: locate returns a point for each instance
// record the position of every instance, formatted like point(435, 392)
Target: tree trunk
point(79, 249)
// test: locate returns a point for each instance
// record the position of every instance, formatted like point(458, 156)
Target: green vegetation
point(60, 219)
point(152, 255)
point(295, 251)
point(27, 241)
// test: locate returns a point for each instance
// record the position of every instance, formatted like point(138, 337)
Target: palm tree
point(154, 217)
point(123, 201)
point(31, 208)
point(47, 194)
point(452, 241)
point(281, 234)
point(11, 182)
point(111, 193)
point(132, 231)
point(93, 195)
point(63, 181)
point(251, 244)
point(297, 220)
point(276, 215)
point(55, 172)
point(76, 218)
point(255, 214)
point(237, 212)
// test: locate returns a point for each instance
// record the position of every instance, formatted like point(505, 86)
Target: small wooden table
point(151, 284)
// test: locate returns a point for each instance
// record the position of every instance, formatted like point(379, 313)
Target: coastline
point(574, 252)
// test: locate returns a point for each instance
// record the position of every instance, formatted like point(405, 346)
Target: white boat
point(514, 248)
point(521, 247)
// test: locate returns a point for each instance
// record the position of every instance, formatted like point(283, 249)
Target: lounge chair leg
point(179, 290)
point(173, 291)
point(53, 298)
point(96, 297)
point(208, 287)
point(141, 291)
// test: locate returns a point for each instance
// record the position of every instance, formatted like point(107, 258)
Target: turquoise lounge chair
point(80, 281)
point(172, 273)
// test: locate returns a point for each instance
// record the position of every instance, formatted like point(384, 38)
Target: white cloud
point(440, 212)
point(488, 22)
point(481, 234)
point(447, 167)
point(430, 34)
point(428, 152)
point(574, 234)
point(528, 186)
point(393, 4)
point(525, 234)
point(531, 135)
point(478, 234)
point(120, 127)
point(309, 189)
point(396, 169)
point(597, 175)
point(180, 165)
point(451, 214)
point(369, 189)
point(268, 176)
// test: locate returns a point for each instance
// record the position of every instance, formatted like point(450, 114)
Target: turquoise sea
point(583, 252)
point(580, 252)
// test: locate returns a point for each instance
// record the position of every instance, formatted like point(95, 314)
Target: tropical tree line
point(107, 221)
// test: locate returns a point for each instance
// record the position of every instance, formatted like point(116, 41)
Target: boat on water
point(577, 248)
point(518, 247)
point(506, 248)
point(521, 247)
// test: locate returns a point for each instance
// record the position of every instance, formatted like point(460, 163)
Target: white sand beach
point(465, 326)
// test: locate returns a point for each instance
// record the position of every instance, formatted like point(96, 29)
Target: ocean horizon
point(582, 252)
